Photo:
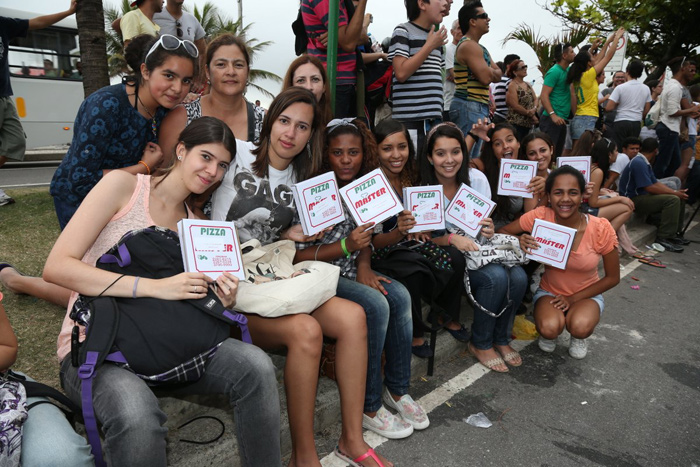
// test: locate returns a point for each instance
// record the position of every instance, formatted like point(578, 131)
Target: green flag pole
point(332, 50)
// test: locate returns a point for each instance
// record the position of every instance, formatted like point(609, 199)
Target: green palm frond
point(542, 46)
point(262, 90)
point(255, 75)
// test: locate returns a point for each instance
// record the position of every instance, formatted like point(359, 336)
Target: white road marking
point(27, 185)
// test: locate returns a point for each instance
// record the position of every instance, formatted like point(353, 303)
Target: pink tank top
point(135, 215)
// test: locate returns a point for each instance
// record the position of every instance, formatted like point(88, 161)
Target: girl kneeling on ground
point(571, 298)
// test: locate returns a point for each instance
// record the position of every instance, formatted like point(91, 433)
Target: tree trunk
point(93, 48)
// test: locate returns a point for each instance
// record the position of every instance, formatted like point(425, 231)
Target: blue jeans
point(132, 421)
point(669, 157)
point(64, 212)
point(465, 114)
point(490, 285)
point(389, 327)
point(48, 438)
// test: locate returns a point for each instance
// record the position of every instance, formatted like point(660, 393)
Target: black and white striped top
point(420, 96)
point(500, 90)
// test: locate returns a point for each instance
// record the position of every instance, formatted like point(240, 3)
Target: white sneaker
point(547, 345)
point(564, 338)
point(408, 409)
point(5, 198)
point(387, 424)
point(578, 348)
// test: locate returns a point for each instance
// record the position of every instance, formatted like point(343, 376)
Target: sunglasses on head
point(482, 16)
point(173, 43)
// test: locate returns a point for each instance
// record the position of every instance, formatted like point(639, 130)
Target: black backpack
point(162, 341)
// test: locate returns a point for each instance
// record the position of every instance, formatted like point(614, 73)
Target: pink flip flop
point(356, 462)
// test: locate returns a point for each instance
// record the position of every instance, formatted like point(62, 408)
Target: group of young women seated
point(378, 303)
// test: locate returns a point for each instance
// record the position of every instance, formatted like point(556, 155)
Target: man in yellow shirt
point(140, 20)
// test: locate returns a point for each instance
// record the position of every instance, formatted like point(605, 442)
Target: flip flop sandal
point(8, 265)
point(490, 364)
point(512, 357)
point(653, 262)
point(641, 256)
point(356, 462)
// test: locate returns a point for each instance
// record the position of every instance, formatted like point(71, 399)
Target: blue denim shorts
point(541, 293)
point(690, 143)
point(581, 123)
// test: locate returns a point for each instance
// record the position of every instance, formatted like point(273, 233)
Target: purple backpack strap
point(86, 373)
point(124, 258)
point(242, 322)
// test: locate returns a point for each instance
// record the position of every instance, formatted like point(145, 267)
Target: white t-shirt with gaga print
point(261, 208)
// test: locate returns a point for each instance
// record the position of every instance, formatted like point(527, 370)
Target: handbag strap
point(467, 287)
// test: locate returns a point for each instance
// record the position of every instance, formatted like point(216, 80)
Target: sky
point(272, 21)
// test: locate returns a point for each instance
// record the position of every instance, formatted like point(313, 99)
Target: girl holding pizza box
point(256, 195)
point(428, 271)
point(502, 143)
point(495, 287)
point(572, 297)
point(350, 152)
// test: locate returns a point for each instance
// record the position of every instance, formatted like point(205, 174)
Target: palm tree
point(542, 46)
point(115, 45)
point(89, 17)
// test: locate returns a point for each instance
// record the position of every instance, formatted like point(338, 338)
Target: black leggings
point(449, 300)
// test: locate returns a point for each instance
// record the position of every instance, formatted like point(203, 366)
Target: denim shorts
point(581, 123)
point(690, 143)
point(541, 293)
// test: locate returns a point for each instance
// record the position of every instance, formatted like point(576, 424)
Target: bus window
point(46, 53)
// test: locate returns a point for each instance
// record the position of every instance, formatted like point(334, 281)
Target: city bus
point(46, 80)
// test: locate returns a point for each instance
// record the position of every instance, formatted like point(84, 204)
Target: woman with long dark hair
point(117, 126)
point(124, 404)
point(256, 195)
point(496, 290)
point(436, 280)
point(582, 77)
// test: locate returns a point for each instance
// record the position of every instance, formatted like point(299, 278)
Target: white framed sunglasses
point(170, 42)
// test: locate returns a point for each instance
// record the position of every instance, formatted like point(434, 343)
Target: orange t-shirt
point(582, 268)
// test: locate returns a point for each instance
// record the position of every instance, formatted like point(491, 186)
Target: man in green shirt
point(556, 97)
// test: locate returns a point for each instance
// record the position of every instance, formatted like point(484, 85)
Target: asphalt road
point(633, 401)
point(26, 176)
